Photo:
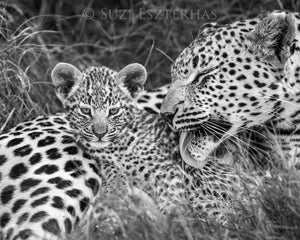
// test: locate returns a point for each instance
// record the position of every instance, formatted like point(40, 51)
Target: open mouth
point(196, 146)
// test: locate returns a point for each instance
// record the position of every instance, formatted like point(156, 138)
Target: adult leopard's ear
point(273, 36)
point(132, 78)
point(207, 28)
point(65, 78)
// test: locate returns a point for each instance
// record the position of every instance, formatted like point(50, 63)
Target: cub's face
point(96, 110)
point(97, 100)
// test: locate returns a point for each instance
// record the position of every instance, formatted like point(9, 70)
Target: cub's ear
point(273, 36)
point(65, 77)
point(132, 78)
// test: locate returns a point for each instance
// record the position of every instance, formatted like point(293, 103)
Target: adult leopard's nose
point(168, 117)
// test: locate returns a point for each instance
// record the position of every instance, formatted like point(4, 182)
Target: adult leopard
point(236, 76)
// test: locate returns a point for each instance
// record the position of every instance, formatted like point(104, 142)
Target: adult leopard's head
point(221, 85)
point(96, 100)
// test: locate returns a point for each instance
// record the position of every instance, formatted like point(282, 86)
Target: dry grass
point(35, 35)
point(271, 212)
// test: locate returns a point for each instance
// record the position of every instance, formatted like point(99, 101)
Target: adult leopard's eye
point(85, 110)
point(113, 111)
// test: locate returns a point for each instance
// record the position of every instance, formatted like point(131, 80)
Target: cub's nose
point(99, 130)
point(168, 117)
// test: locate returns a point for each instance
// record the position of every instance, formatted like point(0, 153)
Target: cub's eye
point(85, 110)
point(113, 111)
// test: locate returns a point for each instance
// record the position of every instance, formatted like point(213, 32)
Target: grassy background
point(35, 35)
point(270, 213)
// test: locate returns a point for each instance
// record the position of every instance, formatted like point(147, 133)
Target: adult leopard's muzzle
point(168, 117)
point(198, 145)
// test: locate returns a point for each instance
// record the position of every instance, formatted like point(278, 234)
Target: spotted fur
point(47, 183)
point(151, 100)
point(144, 149)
